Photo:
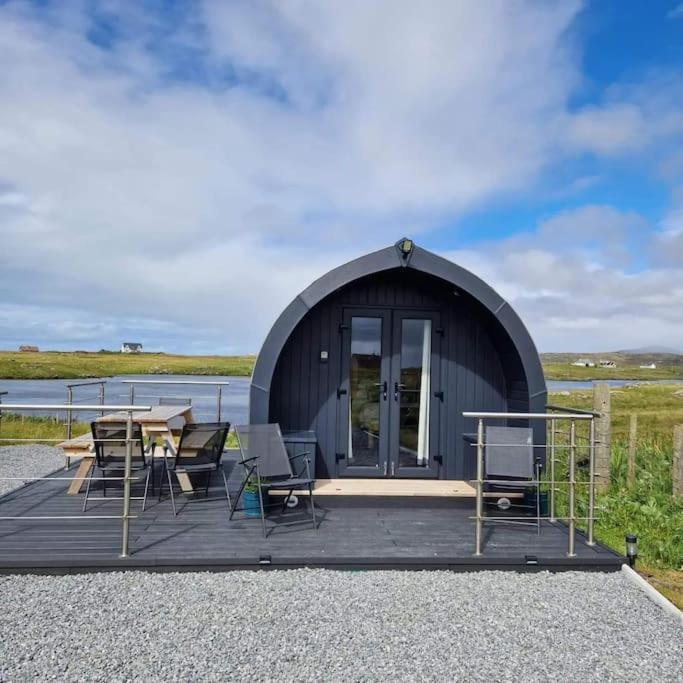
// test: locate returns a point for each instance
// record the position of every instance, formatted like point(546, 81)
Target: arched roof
point(385, 259)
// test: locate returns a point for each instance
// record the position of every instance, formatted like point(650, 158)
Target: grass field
point(559, 366)
point(77, 365)
point(647, 509)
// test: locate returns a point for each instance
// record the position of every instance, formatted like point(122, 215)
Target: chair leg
point(170, 488)
point(240, 492)
point(208, 482)
point(260, 498)
point(91, 471)
point(227, 492)
point(104, 484)
point(162, 477)
point(286, 500)
point(310, 495)
point(144, 498)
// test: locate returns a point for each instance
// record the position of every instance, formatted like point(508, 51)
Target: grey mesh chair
point(110, 456)
point(510, 462)
point(265, 459)
point(199, 451)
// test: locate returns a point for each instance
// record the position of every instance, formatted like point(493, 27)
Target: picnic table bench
point(156, 424)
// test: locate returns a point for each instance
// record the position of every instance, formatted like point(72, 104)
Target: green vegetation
point(38, 429)
point(81, 364)
point(648, 508)
point(559, 366)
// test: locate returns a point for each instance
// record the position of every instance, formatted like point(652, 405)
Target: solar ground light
point(631, 549)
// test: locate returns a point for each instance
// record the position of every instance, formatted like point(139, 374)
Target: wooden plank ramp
point(400, 488)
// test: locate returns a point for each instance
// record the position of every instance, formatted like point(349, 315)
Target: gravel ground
point(27, 461)
point(318, 625)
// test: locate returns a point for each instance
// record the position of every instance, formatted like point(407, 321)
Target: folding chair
point(265, 457)
point(199, 451)
point(110, 456)
point(509, 460)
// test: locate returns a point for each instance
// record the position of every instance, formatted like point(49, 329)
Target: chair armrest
point(253, 457)
point(298, 455)
point(168, 446)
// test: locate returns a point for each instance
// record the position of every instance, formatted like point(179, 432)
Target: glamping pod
point(381, 356)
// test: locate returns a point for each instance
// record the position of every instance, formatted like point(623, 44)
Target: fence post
point(126, 484)
point(603, 434)
point(677, 471)
point(632, 441)
point(480, 486)
point(572, 491)
point(218, 403)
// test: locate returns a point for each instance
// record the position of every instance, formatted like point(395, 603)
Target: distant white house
point(651, 366)
point(584, 363)
point(131, 347)
point(607, 364)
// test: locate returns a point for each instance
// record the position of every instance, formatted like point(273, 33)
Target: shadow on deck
point(360, 533)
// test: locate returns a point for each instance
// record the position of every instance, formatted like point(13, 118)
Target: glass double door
point(388, 416)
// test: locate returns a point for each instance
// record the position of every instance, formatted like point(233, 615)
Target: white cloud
point(196, 208)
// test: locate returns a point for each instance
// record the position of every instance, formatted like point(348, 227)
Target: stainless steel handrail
point(219, 388)
point(130, 409)
point(70, 399)
point(571, 484)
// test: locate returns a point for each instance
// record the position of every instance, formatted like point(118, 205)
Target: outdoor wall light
point(631, 549)
point(406, 247)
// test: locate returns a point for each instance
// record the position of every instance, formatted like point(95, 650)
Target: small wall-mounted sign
point(324, 356)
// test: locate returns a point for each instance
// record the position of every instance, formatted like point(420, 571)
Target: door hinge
point(439, 459)
point(440, 331)
point(342, 327)
point(339, 456)
point(439, 395)
point(340, 392)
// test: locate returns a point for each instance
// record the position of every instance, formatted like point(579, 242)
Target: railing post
point(591, 481)
point(69, 423)
point(218, 403)
point(126, 484)
point(572, 492)
point(553, 427)
point(101, 397)
point(131, 394)
point(480, 487)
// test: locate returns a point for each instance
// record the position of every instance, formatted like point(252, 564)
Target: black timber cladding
point(488, 360)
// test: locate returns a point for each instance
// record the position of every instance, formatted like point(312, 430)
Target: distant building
point(607, 364)
point(29, 349)
point(651, 366)
point(131, 347)
point(584, 363)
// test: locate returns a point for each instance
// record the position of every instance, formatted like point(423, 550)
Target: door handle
point(384, 388)
point(397, 388)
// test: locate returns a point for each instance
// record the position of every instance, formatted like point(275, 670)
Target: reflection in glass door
point(365, 393)
point(414, 413)
point(414, 395)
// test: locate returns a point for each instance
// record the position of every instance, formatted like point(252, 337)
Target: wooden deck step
point(417, 488)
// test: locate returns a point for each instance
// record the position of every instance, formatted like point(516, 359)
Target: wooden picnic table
point(156, 426)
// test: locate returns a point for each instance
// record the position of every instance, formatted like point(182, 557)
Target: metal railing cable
point(574, 417)
point(125, 515)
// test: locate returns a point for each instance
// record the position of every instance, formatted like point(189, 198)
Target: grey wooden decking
point(353, 532)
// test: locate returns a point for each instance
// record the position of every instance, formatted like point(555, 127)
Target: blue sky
point(175, 172)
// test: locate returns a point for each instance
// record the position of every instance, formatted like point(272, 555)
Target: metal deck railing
point(125, 515)
point(568, 486)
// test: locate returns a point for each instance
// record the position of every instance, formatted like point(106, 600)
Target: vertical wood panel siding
point(480, 369)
